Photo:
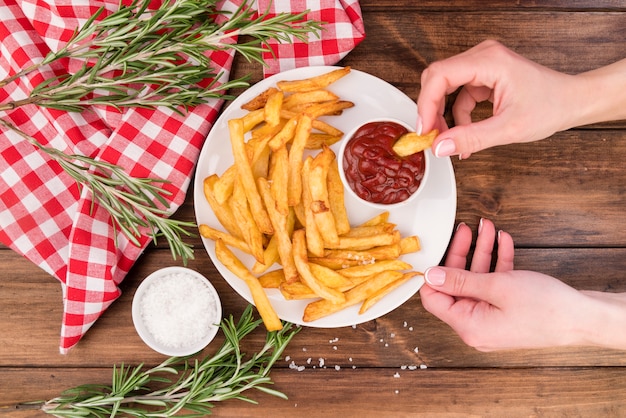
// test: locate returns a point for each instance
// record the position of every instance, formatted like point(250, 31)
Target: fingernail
point(435, 276)
point(480, 225)
point(445, 148)
point(418, 128)
point(459, 225)
point(499, 233)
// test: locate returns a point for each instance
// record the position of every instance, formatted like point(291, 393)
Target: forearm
point(605, 323)
point(600, 95)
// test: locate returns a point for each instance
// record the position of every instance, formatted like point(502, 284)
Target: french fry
point(366, 243)
point(307, 277)
point(223, 187)
point(272, 279)
point(285, 247)
point(340, 259)
point(214, 234)
point(382, 217)
point(297, 291)
point(252, 119)
point(309, 97)
point(320, 204)
point(284, 135)
point(328, 277)
point(231, 262)
point(411, 143)
point(314, 239)
point(296, 153)
point(272, 108)
point(249, 229)
point(279, 177)
point(376, 296)
point(259, 100)
point(317, 124)
point(221, 210)
point(313, 83)
point(270, 256)
point(323, 307)
point(368, 231)
point(318, 140)
point(336, 199)
point(244, 171)
point(410, 244)
point(377, 267)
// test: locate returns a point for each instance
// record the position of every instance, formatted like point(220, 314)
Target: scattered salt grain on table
point(178, 310)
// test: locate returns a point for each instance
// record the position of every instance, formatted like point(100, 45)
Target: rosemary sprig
point(184, 385)
point(138, 57)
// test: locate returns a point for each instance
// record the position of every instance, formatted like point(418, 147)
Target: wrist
point(599, 95)
point(605, 317)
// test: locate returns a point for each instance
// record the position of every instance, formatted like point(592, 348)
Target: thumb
point(460, 283)
point(465, 140)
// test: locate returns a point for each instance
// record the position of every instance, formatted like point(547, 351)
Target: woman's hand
point(530, 101)
point(509, 308)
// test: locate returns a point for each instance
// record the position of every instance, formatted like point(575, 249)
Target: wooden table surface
point(563, 200)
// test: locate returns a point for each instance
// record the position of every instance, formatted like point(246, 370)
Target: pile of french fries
point(282, 202)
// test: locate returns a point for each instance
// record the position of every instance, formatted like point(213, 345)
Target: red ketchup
point(374, 171)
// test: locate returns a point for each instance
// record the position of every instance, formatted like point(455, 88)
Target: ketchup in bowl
point(374, 171)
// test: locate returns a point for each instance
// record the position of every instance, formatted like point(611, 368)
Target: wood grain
point(562, 199)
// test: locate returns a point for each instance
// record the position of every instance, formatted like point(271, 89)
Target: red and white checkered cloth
point(44, 215)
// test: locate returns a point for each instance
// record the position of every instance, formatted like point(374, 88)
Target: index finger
point(444, 77)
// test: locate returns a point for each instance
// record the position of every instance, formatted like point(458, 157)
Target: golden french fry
point(317, 124)
point(315, 242)
point(307, 277)
point(259, 101)
point(221, 210)
point(410, 244)
point(297, 291)
point(284, 135)
point(249, 228)
point(318, 140)
point(244, 171)
point(366, 243)
point(370, 230)
point(272, 279)
point(411, 143)
point(323, 307)
point(328, 277)
point(336, 199)
point(272, 108)
point(214, 234)
point(223, 187)
point(296, 153)
point(270, 256)
point(306, 98)
point(375, 297)
point(252, 119)
point(320, 205)
point(279, 221)
point(382, 217)
point(377, 267)
point(340, 259)
point(279, 178)
point(231, 262)
point(334, 107)
point(313, 83)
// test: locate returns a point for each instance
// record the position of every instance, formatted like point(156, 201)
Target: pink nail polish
point(435, 276)
point(445, 148)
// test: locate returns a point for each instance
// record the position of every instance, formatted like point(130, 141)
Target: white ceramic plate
point(431, 216)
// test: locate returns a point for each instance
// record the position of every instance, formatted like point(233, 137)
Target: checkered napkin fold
point(44, 215)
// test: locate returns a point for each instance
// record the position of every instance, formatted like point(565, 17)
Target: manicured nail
point(418, 128)
point(480, 225)
point(445, 148)
point(435, 276)
point(499, 233)
point(459, 226)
